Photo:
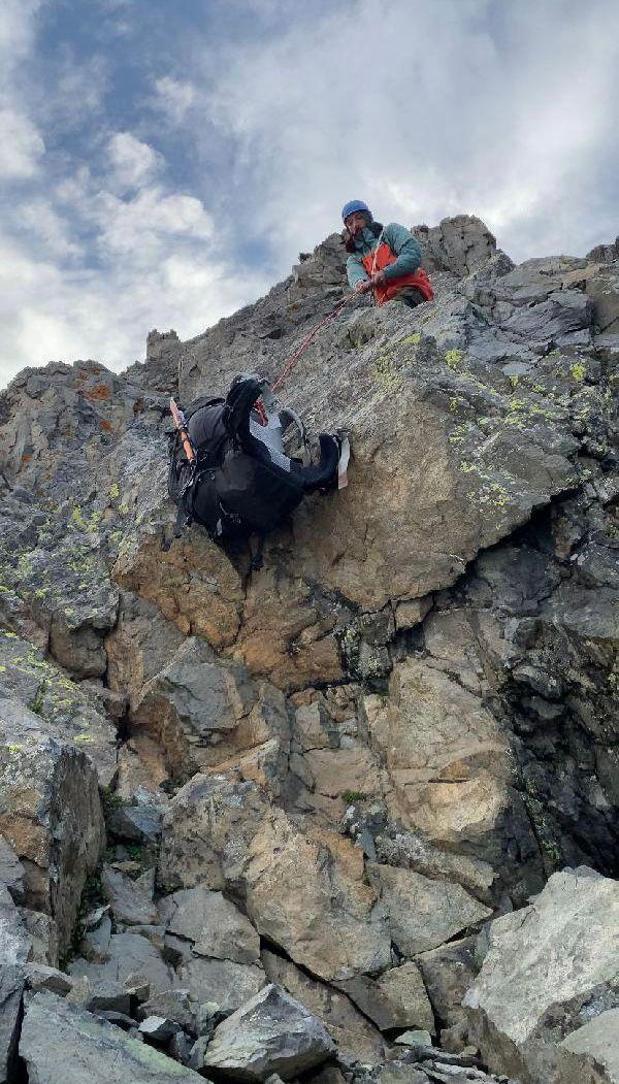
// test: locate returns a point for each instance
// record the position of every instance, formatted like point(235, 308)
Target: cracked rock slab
point(422, 913)
point(62, 1044)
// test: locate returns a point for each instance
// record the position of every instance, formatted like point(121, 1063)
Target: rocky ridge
point(352, 816)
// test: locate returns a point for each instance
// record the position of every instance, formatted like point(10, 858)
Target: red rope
point(261, 412)
point(308, 340)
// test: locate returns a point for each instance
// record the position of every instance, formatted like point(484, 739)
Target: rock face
point(228, 836)
point(559, 960)
point(50, 812)
point(11, 991)
point(272, 1033)
point(325, 777)
point(63, 1045)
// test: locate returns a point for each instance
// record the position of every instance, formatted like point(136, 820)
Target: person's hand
point(363, 286)
point(378, 279)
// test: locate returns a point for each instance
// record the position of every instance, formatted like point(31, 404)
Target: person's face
point(355, 222)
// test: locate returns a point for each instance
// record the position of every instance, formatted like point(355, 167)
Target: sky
point(163, 162)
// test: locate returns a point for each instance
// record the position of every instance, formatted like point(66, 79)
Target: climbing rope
point(378, 244)
point(309, 338)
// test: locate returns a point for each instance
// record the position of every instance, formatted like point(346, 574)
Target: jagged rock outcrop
point(559, 960)
point(333, 773)
point(50, 814)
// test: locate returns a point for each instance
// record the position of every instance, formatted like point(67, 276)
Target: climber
point(384, 259)
point(228, 467)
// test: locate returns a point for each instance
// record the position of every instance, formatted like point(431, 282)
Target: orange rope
point(308, 340)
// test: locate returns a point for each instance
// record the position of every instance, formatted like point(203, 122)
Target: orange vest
point(380, 258)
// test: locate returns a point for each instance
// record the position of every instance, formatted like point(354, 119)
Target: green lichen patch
point(386, 374)
point(453, 359)
point(411, 340)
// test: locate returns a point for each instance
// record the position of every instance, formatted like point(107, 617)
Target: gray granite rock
point(51, 813)
point(12, 982)
point(130, 957)
point(15, 941)
point(424, 913)
point(158, 1029)
point(131, 901)
point(592, 1048)
point(62, 1044)
point(109, 996)
point(11, 870)
point(227, 983)
point(397, 999)
point(212, 923)
point(448, 972)
point(559, 961)
point(172, 1004)
point(138, 821)
point(271, 1033)
point(40, 977)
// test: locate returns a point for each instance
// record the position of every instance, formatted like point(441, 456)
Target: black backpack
point(233, 488)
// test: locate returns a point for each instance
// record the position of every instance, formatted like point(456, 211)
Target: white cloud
point(132, 161)
point(16, 31)
point(174, 97)
point(106, 314)
point(21, 145)
point(159, 265)
point(78, 90)
point(49, 229)
point(142, 226)
point(425, 110)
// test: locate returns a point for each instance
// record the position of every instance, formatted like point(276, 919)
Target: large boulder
point(213, 925)
point(446, 754)
point(62, 1044)
point(550, 969)
point(50, 812)
point(131, 901)
point(448, 972)
point(203, 711)
point(15, 940)
point(223, 982)
point(272, 1033)
point(460, 245)
point(126, 956)
point(227, 835)
point(593, 1049)
point(355, 1035)
point(397, 999)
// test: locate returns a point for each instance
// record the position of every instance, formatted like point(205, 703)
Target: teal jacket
point(400, 241)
